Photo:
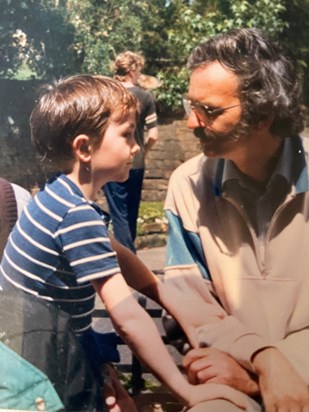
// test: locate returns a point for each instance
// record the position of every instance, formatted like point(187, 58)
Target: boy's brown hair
point(126, 62)
point(80, 104)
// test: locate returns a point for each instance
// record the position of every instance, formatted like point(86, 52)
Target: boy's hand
point(214, 366)
point(116, 397)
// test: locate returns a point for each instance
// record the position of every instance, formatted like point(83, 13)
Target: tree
point(295, 35)
point(35, 34)
point(103, 29)
point(58, 37)
point(200, 20)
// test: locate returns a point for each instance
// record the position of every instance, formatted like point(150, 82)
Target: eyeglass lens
point(201, 109)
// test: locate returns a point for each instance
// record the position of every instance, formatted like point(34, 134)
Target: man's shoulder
point(191, 167)
point(305, 141)
point(299, 144)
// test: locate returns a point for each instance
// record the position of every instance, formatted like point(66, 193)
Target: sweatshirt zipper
point(261, 260)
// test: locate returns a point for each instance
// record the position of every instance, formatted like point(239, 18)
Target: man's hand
point(214, 366)
point(282, 388)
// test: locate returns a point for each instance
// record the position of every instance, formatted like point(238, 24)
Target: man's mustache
point(200, 133)
point(205, 135)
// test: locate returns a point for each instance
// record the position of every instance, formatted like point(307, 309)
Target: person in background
point(239, 224)
point(60, 249)
point(124, 198)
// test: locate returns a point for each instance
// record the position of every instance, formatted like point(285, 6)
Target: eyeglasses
point(202, 109)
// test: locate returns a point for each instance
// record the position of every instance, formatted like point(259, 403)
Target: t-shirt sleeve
point(84, 240)
point(151, 119)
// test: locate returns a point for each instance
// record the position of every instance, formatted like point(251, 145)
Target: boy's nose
point(135, 149)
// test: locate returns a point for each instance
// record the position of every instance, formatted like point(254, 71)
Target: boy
point(60, 249)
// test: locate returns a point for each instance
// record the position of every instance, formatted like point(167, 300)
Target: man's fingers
point(200, 371)
point(193, 355)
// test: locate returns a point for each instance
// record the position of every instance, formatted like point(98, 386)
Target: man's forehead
point(212, 79)
point(213, 72)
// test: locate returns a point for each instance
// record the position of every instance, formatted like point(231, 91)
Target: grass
point(149, 212)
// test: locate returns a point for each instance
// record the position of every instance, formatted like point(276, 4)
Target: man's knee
point(221, 405)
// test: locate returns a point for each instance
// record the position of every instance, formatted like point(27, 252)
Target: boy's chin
point(123, 178)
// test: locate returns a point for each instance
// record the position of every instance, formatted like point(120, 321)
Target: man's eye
point(212, 111)
point(209, 109)
point(200, 108)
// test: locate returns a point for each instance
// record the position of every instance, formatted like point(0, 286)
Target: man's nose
point(194, 121)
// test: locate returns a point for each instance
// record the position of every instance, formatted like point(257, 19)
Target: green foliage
point(150, 211)
point(188, 29)
point(174, 84)
point(199, 21)
point(104, 28)
point(295, 36)
point(264, 14)
point(45, 38)
point(35, 38)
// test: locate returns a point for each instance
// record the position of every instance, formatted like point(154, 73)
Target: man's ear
point(82, 148)
point(265, 122)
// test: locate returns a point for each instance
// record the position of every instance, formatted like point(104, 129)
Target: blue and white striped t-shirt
point(57, 247)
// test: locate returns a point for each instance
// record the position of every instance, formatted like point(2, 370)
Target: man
point(238, 224)
point(124, 198)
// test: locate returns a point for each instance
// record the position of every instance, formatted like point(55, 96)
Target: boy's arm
point(136, 274)
point(140, 278)
point(138, 330)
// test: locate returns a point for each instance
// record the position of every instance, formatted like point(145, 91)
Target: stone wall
point(176, 144)
point(20, 164)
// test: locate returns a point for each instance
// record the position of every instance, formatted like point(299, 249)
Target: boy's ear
point(82, 147)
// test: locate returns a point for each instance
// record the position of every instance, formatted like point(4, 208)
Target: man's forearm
point(282, 388)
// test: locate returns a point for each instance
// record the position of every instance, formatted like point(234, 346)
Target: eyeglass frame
point(207, 111)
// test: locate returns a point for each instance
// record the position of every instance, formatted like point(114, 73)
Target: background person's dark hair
point(269, 81)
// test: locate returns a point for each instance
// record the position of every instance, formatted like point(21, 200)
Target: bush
point(151, 213)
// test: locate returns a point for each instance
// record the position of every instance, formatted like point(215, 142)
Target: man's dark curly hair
point(269, 81)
